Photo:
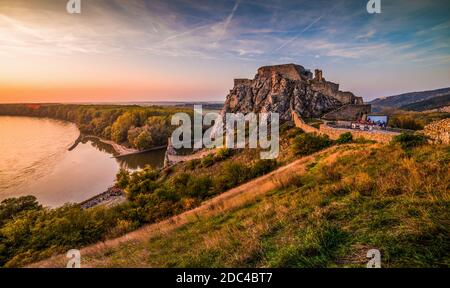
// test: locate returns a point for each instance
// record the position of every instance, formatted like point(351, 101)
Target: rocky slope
point(439, 131)
point(287, 88)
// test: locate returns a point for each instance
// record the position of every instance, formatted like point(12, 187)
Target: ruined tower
point(318, 75)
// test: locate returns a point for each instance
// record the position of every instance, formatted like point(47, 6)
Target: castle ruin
point(290, 87)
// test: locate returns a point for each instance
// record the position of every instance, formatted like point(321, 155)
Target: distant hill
point(398, 101)
point(429, 104)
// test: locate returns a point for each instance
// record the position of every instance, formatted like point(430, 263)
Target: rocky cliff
point(287, 88)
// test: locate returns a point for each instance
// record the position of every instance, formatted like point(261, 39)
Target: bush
point(293, 132)
point(308, 143)
point(223, 154)
point(208, 161)
point(409, 140)
point(262, 167)
point(193, 164)
point(406, 122)
point(10, 208)
point(199, 187)
point(122, 178)
point(286, 126)
point(346, 137)
point(233, 174)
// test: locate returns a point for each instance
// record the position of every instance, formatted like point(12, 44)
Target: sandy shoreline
point(120, 149)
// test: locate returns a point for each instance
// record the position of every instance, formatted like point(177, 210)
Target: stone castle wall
point(351, 112)
point(332, 89)
point(334, 133)
point(290, 71)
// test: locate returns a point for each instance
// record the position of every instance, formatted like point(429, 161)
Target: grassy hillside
point(30, 232)
point(343, 202)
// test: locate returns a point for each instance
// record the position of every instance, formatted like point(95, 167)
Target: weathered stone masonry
point(334, 133)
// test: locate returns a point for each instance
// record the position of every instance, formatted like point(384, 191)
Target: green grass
point(379, 197)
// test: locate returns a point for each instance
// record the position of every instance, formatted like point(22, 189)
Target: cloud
point(367, 35)
point(298, 35)
point(228, 20)
point(245, 32)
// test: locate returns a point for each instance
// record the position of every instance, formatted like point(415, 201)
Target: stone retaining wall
point(439, 131)
point(334, 133)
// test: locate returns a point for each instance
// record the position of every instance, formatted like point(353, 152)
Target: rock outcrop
point(285, 89)
point(439, 131)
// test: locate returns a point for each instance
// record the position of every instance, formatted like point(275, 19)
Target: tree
point(308, 143)
point(119, 130)
point(9, 208)
point(123, 178)
point(158, 128)
point(143, 141)
point(133, 134)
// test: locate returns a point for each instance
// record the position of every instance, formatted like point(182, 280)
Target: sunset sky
point(183, 50)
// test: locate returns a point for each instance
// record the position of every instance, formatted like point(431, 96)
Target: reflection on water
point(137, 161)
point(35, 160)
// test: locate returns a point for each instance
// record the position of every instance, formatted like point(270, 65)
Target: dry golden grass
point(231, 199)
point(324, 210)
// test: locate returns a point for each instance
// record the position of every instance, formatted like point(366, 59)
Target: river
point(35, 160)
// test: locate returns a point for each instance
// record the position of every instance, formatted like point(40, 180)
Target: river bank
point(119, 149)
point(112, 196)
point(64, 165)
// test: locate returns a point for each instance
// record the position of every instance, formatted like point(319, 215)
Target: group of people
point(369, 125)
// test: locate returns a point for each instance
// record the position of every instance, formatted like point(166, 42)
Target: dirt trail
point(233, 198)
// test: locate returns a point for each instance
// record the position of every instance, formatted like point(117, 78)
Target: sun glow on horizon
point(142, 50)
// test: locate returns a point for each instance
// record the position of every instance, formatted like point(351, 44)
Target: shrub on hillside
point(193, 164)
point(308, 143)
point(199, 187)
point(262, 167)
point(122, 178)
point(346, 137)
point(405, 122)
point(233, 174)
point(11, 208)
point(410, 140)
point(223, 154)
point(286, 126)
point(208, 161)
point(293, 132)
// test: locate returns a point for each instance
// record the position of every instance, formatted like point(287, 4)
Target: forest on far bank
point(132, 126)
